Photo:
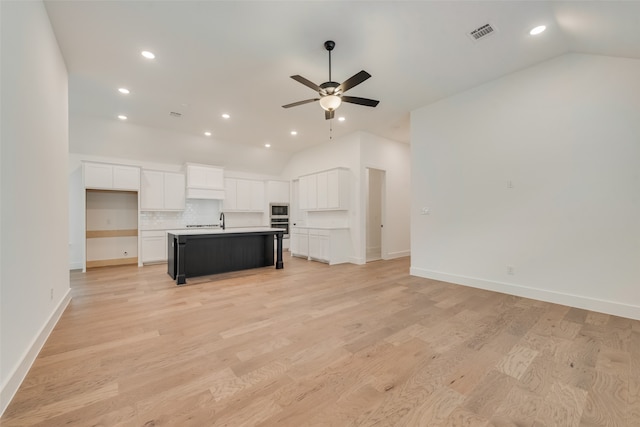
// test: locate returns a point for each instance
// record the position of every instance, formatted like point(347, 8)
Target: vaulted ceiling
point(235, 57)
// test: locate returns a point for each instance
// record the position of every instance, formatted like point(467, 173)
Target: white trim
point(602, 306)
point(397, 254)
point(357, 260)
point(11, 386)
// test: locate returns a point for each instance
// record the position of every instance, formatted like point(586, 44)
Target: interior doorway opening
point(375, 179)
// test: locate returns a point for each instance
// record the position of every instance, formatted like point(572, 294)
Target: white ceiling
point(237, 56)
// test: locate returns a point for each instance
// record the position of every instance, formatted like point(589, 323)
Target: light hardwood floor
point(316, 345)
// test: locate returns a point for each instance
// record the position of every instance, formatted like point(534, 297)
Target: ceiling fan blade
point(352, 81)
point(328, 115)
point(360, 101)
point(306, 82)
point(295, 104)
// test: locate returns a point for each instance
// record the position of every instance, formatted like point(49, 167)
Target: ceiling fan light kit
point(331, 93)
point(330, 102)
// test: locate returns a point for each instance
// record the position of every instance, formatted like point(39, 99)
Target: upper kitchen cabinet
point(205, 182)
point(327, 190)
point(243, 195)
point(105, 176)
point(278, 191)
point(162, 191)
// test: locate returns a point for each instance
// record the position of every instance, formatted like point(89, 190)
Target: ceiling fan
point(332, 93)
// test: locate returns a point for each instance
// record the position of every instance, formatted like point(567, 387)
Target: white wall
point(34, 189)
point(357, 152)
point(565, 136)
point(395, 159)
point(125, 140)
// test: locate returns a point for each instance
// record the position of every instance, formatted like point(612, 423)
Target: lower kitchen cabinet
point(154, 246)
point(330, 245)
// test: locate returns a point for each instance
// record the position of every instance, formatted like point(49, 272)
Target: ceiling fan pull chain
point(330, 130)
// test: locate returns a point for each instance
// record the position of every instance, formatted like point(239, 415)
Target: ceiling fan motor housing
point(329, 88)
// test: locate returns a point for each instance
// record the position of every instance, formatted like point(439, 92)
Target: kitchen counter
point(235, 230)
point(199, 252)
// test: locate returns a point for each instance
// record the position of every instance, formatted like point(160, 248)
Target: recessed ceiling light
point(122, 117)
point(124, 90)
point(225, 116)
point(294, 132)
point(207, 133)
point(147, 54)
point(267, 145)
point(537, 30)
point(341, 119)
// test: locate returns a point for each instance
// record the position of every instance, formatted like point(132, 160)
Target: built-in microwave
point(279, 210)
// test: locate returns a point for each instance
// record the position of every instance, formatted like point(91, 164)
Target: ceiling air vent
point(175, 114)
point(482, 32)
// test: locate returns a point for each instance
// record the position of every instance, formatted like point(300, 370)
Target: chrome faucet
point(222, 219)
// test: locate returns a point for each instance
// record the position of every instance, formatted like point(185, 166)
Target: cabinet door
point(321, 195)
point(152, 192)
point(126, 178)
point(314, 245)
point(303, 244)
point(174, 191)
point(277, 192)
point(154, 249)
point(257, 196)
point(97, 175)
point(333, 189)
point(294, 238)
point(230, 191)
point(243, 195)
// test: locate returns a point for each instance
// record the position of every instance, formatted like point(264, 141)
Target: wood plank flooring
point(313, 345)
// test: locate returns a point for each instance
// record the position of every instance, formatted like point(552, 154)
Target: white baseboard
point(398, 254)
point(357, 260)
point(578, 301)
point(10, 387)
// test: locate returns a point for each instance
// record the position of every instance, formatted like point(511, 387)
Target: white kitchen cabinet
point(243, 195)
point(322, 191)
point(162, 191)
point(257, 196)
point(174, 191)
point(105, 176)
point(277, 191)
point(205, 182)
point(152, 191)
point(319, 244)
point(327, 190)
point(330, 245)
point(299, 242)
point(154, 246)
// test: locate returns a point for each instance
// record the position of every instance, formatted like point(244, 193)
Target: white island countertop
point(236, 230)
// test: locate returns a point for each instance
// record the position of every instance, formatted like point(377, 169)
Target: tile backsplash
point(196, 211)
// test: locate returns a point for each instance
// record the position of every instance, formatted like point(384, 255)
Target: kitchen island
point(210, 251)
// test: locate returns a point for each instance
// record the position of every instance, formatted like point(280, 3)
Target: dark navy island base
point(192, 254)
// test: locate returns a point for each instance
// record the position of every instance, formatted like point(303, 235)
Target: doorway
point(375, 179)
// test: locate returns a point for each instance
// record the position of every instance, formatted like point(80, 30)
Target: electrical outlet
point(425, 211)
point(509, 184)
point(511, 270)
point(51, 294)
